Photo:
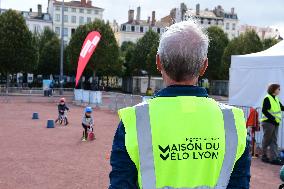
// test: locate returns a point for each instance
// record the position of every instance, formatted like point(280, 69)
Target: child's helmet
point(88, 110)
point(62, 99)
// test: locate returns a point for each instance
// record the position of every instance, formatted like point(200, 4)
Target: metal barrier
point(109, 100)
point(30, 91)
point(116, 101)
point(259, 134)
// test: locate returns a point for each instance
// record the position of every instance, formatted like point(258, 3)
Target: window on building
point(36, 28)
point(158, 30)
point(57, 30)
point(89, 11)
point(209, 22)
point(73, 9)
point(66, 9)
point(46, 17)
point(57, 8)
point(133, 28)
point(154, 29)
point(141, 29)
point(73, 19)
point(96, 11)
point(227, 26)
point(233, 36)
point(201, 22)
point(65, 32)
point(89, 19)
point(46, 27)
point(57, 17)
point(73, 31)
point(234, 27)
point(123, 28)
point(25, 14)
point(137, 28)
point(81, 10)
point(65, 18)
point(81, 20)
point(128, 28)
point(146, 28)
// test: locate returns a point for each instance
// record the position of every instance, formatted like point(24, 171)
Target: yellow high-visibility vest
point(275, 109)
point(183, 142)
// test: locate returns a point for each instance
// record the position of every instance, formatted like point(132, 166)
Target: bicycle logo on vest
point(193, 148)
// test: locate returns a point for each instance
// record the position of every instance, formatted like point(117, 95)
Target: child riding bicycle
point(87, 123)
point(61, 110)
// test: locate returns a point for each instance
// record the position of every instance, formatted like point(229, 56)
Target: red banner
point(88, 48)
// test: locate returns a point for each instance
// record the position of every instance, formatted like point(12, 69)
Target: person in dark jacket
point(271, 117)
point(61, 109)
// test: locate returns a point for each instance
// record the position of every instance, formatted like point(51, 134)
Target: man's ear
point(158, 63)
point(204, 67)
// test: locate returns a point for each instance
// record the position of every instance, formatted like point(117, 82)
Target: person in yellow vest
point(205, 84)
point(271, 118)
point(181, 139)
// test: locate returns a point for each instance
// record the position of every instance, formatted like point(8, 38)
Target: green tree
point(49, 53)
point(17, 46)
point(105, 60)
point(46, 36)
point(126, 53)
point(151, 62)
point(218, 43)
point(234, 48)
point(144, 55)
point(125, 46)
point(251, 42)
point(246, 43)
point(267, 43)
point(49, 62)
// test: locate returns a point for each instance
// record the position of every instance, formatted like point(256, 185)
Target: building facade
point(36, 21)
point(134, 29)
point(262, 32)
point(76, 13)
point(228, 21)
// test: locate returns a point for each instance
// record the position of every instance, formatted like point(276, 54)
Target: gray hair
point(183, 49)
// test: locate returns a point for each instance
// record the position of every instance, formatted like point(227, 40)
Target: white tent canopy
point(251, 74)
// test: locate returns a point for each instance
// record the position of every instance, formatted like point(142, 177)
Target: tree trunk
point(149, 82)
point(107, 81)
point(94, 83)
point(81, 82)
point(7, 83)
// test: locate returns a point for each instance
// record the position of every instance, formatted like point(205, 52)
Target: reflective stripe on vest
point(147, 167)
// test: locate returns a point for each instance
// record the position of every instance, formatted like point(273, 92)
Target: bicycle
point(63, 118)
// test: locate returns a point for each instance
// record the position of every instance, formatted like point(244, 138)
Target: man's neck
point(168, 81)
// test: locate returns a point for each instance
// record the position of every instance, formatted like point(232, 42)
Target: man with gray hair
point(181, 139)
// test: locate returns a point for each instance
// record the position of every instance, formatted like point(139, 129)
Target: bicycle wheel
point(65, 121)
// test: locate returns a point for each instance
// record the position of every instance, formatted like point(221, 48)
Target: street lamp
point(62, 49)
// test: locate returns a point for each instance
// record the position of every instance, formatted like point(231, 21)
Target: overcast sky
point(252, 12)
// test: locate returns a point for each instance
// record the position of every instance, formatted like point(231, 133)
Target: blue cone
point(35, 115)
point(50, 123)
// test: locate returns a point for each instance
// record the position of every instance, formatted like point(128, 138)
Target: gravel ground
point(34, 157)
